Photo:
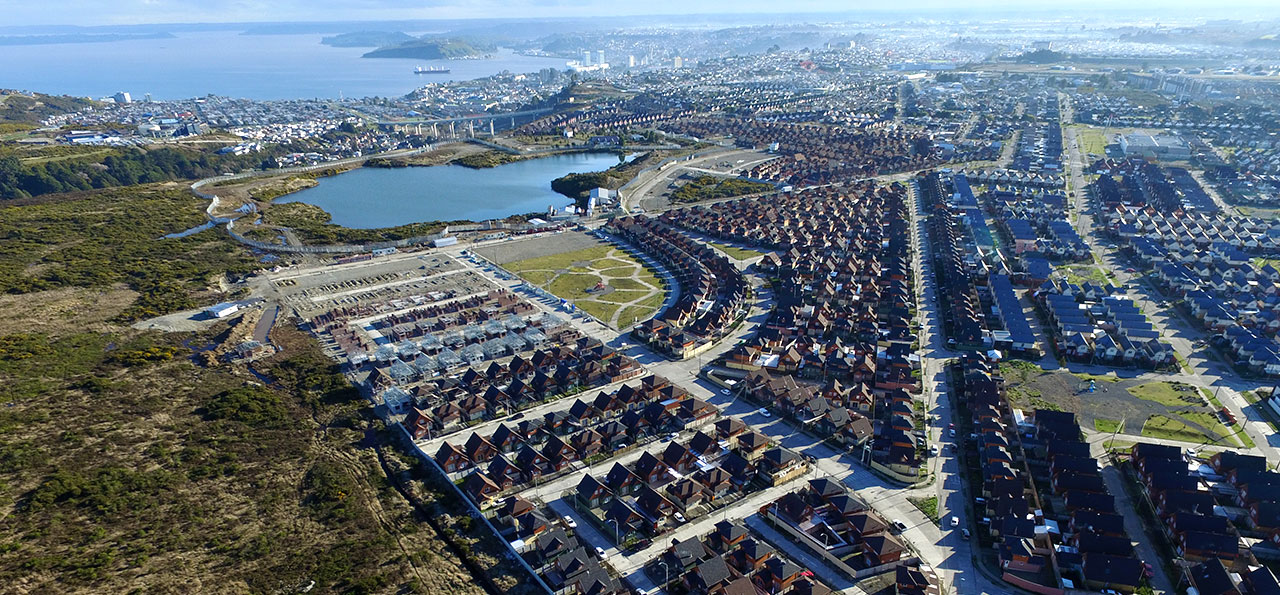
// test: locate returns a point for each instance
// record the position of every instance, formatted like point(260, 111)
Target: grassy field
point(736, 252)
point(1167, 394)
point(631, 292)
point(1082, 273)
point(1092, 140)
point(1106, 426)
point(1168, 428)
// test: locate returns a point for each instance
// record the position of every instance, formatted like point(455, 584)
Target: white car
point(724, 391)
point(600, 553)
point(955, 521)
point(764, 412)
point(679, 517)
point(568, 520)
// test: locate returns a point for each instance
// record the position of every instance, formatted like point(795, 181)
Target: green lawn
point(600, 310)
point(1167, 428)
point(736, 252)
point(1092, 140)
point(1210, 422)
point(573, 286)
point(621, 297)
point(1106, 426)
point(1166, 393)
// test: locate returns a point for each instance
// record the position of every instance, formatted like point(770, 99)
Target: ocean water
point(227, 63)
point(373, 197)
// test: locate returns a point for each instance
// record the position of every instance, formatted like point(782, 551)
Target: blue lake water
point(227, 63)
point(378, 197)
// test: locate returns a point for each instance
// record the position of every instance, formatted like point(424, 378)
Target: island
point(367, 39)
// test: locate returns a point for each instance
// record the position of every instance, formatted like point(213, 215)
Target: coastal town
point(890, 314)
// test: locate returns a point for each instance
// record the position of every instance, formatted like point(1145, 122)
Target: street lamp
point(616, 538)
point(666, 577)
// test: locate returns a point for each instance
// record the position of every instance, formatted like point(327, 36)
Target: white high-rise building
point(122, 97)
point(678, 62)
point(586, 57)
point(599, 56)
point(631, 61)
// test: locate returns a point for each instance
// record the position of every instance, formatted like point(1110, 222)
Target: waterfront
point(226, 63)
point(371, 198)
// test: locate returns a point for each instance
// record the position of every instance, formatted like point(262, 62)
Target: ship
point(431, 70)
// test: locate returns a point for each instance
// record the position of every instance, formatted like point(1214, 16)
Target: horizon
point(90, 15)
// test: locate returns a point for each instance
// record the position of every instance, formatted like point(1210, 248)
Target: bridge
point(415, 121)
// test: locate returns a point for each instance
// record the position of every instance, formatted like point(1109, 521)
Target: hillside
point(128, 466)
point(19, 107)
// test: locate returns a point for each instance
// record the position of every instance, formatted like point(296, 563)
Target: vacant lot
point(1171, 411)
point(601, 279)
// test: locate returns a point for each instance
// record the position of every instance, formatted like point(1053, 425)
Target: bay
point(370, 197)
point(262, 67)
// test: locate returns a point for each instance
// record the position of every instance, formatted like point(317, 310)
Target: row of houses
point(1208, 265)
point(712, 290)
point(445, 404)
point(837, 527)
point(1203, 508)
point(731, 561)
point(1099, 324)
point(658, 492)
point(958, 266)
point(881, 426)
point(845, 293)
point(553, 550)
point(530, 450)
point(1033, 463)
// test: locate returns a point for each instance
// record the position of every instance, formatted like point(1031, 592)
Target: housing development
point(947, 308)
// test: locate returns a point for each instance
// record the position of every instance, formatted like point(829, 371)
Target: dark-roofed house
point(1102, 571)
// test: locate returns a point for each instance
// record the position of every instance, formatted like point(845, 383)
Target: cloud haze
point(125, 12)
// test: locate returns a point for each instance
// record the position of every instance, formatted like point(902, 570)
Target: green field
point(634, 292)
point(1167, 428)
point(1167, 394)
point(1106, 426)
point(1092, 140)
point(736, 252)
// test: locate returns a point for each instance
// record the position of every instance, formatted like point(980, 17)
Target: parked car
point(679, 517)
point(600, 553)
point(899, 525)
point(964, 533)
point(568, 520)
point(955, 521)
point(764, 412)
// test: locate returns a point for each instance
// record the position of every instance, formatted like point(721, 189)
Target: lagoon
point(371, 197)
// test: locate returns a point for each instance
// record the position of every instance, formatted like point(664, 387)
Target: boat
point(431, 70)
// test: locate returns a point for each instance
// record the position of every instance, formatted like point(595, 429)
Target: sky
point(129, 12)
